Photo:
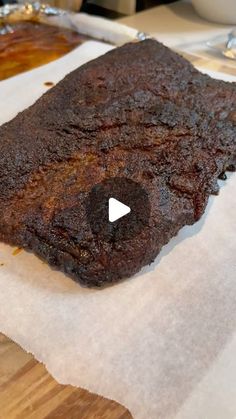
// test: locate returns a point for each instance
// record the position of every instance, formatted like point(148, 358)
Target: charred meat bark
point(141, 112)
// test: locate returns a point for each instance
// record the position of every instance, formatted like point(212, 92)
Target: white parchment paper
point(162, 343)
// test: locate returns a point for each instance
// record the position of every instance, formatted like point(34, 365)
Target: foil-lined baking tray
point(93, 26)
point(34, 34)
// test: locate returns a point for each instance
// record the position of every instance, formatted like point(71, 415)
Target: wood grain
point(28, 391)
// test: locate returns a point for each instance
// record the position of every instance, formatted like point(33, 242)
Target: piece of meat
point(141, 112)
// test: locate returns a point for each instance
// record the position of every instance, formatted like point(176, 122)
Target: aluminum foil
point(96, 27)
point(10, 13)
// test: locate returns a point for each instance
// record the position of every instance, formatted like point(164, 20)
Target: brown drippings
point(17, 251)
point(34, 44)
point(48, 83)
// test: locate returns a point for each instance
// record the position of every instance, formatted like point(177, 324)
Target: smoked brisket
point(141, 112)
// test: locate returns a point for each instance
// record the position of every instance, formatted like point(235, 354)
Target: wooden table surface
point(28, 391)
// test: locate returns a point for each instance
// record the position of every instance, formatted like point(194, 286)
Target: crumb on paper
point(48, 83)
point(17, 251)
point(1, 264)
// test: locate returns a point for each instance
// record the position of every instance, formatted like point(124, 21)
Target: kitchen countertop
point(176, 24)
point(27, 391)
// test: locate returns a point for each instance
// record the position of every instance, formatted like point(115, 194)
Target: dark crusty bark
point(140, 111)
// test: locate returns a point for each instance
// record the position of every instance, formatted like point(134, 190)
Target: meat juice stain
point(33, 44)
point(17, 251)
point(48, 84)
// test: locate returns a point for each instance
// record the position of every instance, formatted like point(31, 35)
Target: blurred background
point(112, 9)
point(118, 8)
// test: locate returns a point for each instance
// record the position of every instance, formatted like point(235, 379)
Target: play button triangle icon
point(117, 209)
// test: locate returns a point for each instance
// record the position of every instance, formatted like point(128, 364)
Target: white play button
point(117, 210)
